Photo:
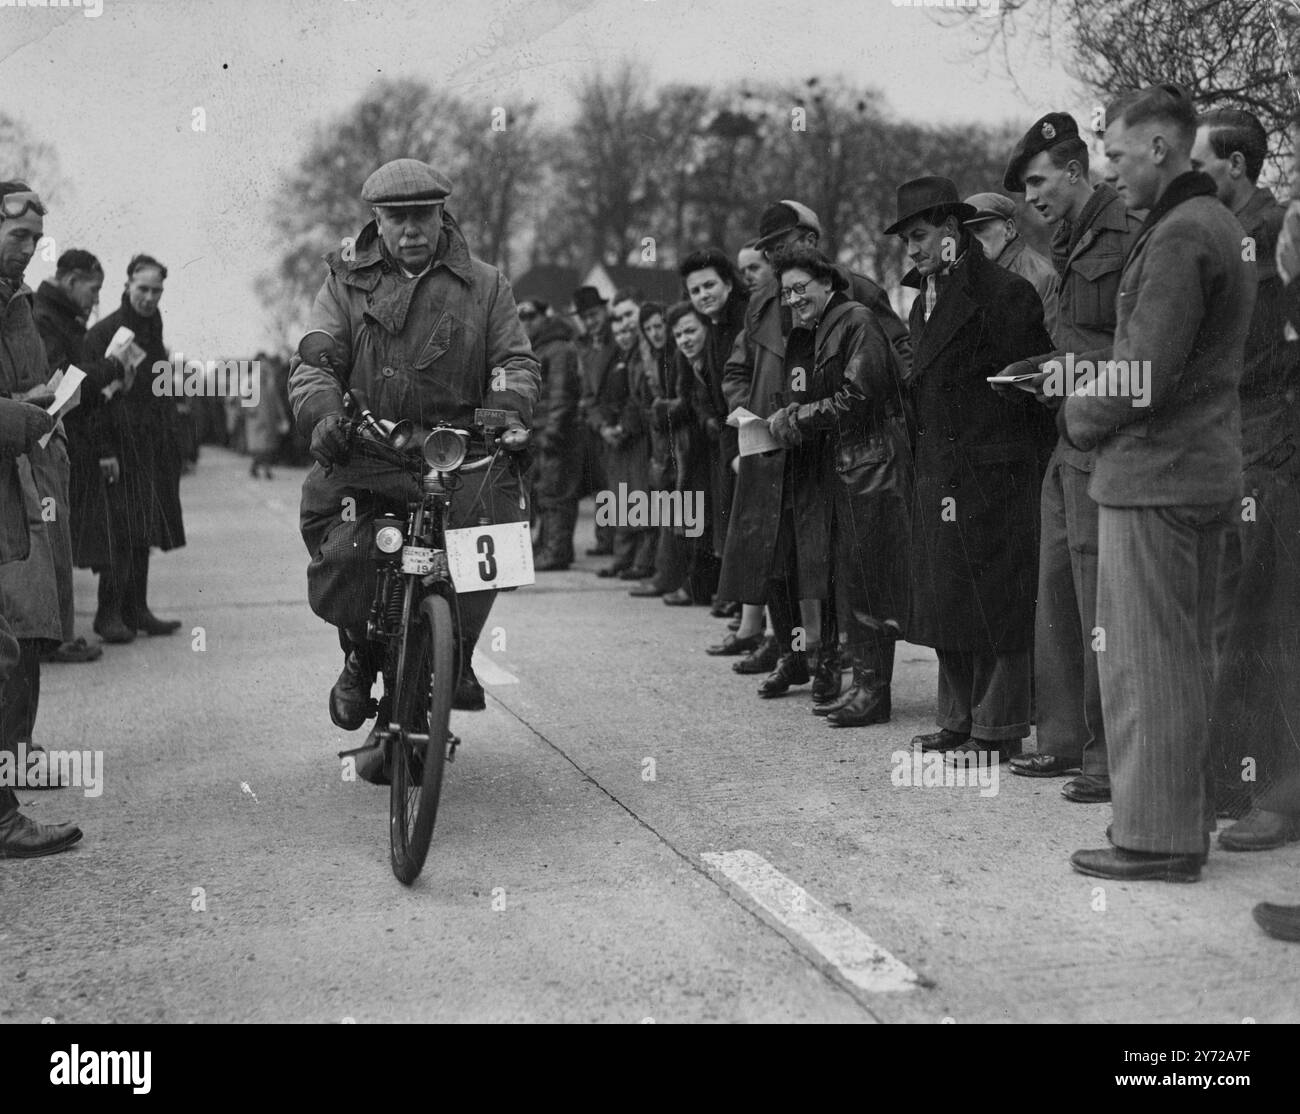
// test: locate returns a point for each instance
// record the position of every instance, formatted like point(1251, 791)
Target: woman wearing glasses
point(847, 489)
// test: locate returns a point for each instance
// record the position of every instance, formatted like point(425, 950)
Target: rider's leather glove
point(515, 438)
point(329, 440)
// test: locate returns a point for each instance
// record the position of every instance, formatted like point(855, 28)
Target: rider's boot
point(350, 703)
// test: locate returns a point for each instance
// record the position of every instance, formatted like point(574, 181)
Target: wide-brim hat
point(920, 195)
point(587, 297)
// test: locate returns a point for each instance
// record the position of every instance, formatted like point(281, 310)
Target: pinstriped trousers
point(1157, 577)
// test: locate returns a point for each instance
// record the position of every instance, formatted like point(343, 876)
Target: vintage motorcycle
point(414, 615)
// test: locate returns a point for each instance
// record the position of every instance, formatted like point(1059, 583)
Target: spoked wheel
point(423, 708)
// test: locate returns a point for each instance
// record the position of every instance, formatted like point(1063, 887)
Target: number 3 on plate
point(487, 567)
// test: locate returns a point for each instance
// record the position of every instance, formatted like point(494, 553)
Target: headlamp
point(445, 449)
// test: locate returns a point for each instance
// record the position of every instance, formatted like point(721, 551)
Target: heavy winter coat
point(141, 429)
point(427, 349)
point(852, 469)
point(36, 592)
point(978, 453)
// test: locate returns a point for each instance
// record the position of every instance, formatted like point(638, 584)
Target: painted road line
point(489, 673)
point(853, 953)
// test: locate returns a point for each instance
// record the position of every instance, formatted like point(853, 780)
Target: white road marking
point(854, 954)
point(489, 673)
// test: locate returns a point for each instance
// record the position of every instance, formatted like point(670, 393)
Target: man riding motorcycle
point(423, 331)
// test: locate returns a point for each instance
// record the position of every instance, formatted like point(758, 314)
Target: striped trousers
point(1157, 577)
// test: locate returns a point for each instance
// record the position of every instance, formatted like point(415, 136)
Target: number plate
point(490, 556)
point(417, 559)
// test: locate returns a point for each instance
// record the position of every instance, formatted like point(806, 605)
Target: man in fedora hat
point(994, 226)
point(975, 508)
point(427, 333)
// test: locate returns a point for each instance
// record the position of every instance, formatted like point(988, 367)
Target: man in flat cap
point(1092, 232)
point(975, 507)
point(424, 332)
point(994, 226)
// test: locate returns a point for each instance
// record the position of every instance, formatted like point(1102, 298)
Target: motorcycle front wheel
point(422, 707)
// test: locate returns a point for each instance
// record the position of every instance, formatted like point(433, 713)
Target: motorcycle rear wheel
point(422, 707)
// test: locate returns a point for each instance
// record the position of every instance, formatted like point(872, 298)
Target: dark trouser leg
point(559, 483)
point(1158, 573)
point(1000, 696)
point(124, 577)
point(783, 585)
point(956, 672)
point(474, 610)
point(1256, 710)
point(1070, 722)
point(670, 560)
point(643, 553)
point(9, 654)
point(19, 698)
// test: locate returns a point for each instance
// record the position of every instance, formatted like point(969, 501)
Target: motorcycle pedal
point(453, 741)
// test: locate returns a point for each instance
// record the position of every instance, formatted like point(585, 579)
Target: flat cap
point(1054, 128)
point(990, 206)
point(405, 182)
point(780, 217)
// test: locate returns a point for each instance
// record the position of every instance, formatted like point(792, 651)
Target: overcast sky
point(115, 95)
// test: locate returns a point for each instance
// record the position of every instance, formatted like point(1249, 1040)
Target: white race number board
point(483, 557)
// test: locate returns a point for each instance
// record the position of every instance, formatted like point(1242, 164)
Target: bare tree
point(1239, 53)
point(25, 158)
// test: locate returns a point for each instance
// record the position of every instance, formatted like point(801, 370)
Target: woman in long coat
point(847, 489)
point(141, 432)
point(716, 293)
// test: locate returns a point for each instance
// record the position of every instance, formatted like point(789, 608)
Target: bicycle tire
point(423, 707)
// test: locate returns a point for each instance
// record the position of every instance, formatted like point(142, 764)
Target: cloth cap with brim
point(1047, 132)
point(405, 183)
point(921, 195)
point(782, 216)
point(587, 297)
point(990, 206)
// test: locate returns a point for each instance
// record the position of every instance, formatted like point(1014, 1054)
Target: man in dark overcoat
point(975, 507)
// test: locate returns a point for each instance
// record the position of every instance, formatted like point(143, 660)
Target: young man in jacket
point(1164, 419)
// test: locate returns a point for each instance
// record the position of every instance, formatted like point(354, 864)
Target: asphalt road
point(627, 834)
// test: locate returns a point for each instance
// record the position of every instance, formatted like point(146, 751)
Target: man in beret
point(994, 226)
point(424, 332)
point(1092, 232)
point(975, 507)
